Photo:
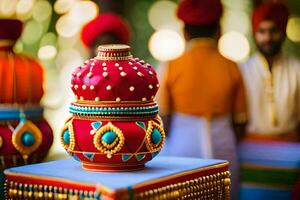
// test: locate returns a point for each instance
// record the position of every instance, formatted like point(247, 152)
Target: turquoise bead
point(156, 136)
point(109, 137)
point(27, 139)
point(66, 136)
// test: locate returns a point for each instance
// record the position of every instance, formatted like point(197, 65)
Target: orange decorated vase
point(25, 136)
point(115, 124)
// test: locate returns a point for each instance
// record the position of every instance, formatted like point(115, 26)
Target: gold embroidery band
point(6, 43)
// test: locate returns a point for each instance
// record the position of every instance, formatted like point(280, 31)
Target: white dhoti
point(192, 136)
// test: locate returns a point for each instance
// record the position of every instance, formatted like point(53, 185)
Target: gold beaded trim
point(6, 43)
point(114, 52)
point(109, 149)
point(108, 57)
point(108, 103)
point(215, 186)
point(17, 134)
point(151, 146)
point(15, 190)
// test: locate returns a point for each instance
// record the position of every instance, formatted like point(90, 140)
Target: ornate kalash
point(25, 136)
point(115, 124)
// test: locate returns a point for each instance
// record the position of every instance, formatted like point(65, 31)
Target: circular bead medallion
point(155, 135)
point(67, 138)
point(109, 139)
point(27, 139)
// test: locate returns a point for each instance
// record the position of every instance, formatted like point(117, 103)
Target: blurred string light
point(47, 52)
point(67, 42)
point(166, 45)
point(80, 13)
point(66, 56)
point(235, 20)
point(24, 9)
point(42, 10)
point(234, 46)
point(293, 29)
point(48, 49)
point(32, 32)
point(63, 6)
point(8, 8)
point(48, 39)
point(84, 11)
point(66, 26)
point(18, 47)
point(162, 15)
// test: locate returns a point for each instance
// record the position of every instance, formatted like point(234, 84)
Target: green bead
point(66, 136)
point(27, 139)
point(156, 136)
point(109, 137)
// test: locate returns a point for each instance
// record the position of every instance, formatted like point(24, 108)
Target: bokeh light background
point(52, 35)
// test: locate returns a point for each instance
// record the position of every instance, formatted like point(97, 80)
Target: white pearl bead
point(123, 74)
point(131, 88)
point(89, 74)
point(104, 74)
point(108, 87)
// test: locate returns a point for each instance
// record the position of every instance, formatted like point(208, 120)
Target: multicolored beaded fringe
point(216, 186)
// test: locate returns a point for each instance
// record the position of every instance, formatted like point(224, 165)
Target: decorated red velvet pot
point(25, 136)
point(115, 124)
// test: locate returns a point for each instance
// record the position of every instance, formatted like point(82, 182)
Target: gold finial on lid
point(114, 52)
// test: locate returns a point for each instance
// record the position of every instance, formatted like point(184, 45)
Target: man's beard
point(270, 49)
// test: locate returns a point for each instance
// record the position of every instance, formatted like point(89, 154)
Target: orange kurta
point(202, 83)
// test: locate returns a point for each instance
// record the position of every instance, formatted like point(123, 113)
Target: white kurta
point(273, 97)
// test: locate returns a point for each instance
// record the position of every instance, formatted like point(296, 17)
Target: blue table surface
point(71, 170)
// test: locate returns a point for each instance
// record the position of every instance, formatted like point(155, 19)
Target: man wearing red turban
point(107, 28)
point(201, 90)
point(272, 81)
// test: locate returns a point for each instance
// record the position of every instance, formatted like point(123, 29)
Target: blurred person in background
point(272, 79)
point(202, 92)
point(107, 28)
